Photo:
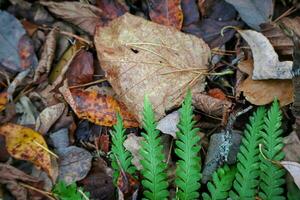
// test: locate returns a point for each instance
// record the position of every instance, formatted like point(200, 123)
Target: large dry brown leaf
point(84, 16)
point(262, 92)
point(292, 24)
point(141, 57)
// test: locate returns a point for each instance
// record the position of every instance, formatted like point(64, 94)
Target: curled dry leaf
point(25, 144)
point(48, 117)
point(254, 12)
point(266, 62)
point(81, 69)
point(262, 92)
point(210, 105)
point(168, 124)
point(166, 12)
point(140, 58)
point(133, 145)
point(97, 108)
point(294, 169)
point(47, 56)
point(83, 15)
point(282, 44)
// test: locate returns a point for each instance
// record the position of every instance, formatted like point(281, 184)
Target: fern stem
point(154, 168)
point(272, 176)
point(246, 179)
point(187, 149)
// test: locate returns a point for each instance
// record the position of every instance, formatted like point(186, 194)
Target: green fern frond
point(246, 178)
point(187, 148)
point(222, 180)
point(120, 157)
point(69, 192)
point(272, 176)
point(154, 168)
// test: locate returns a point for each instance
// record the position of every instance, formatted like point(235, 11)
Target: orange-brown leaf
point(24, 143)
point(217, 93)
point(166, 12)
point(97, 108)
point(3, 100)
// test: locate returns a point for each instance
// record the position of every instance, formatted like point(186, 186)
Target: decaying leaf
point(3, 100)
point(254, 12)
point(294, 169)
point(266, 62)
point(11, 173)
point(291, 23)
point(81, 69)
point(16, 51)
point(47, 56)
point(85, 16)
point(210, 105)
point(262, 92)
point(292, 147)
point(68, 55)
point(97, 108)
point(114, 8)
point(140, 58)
point(25, 144)
point(282, 44)
point(133, 145)
point(48, 117)
point(166, 12)
point(168, 124)
point(209, 28)
point(74, 162)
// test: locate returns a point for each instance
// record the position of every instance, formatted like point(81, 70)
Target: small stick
point(53, 154)
point(47, 194)
point(88, 84)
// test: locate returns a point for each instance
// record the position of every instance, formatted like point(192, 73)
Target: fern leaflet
point(155, 178)
point(222, 183)
point(272, 176)
point(246, 178)
point(120, 157)
point(187, 149)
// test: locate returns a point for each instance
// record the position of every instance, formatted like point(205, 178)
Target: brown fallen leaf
point(97, 108)
point(282, 44)
point(85, 16)
point(47, 56)
point(133, 145)
point(3, 100)
point(262, 92)
point(114, 8)
point(166, 12)
point(291, 147)
point(294, 169)
point(210, 105)
point(48, 117)
point(25, 144)
point(217, 93)
point(139, 58)
point(81, 69)
point(291, 23)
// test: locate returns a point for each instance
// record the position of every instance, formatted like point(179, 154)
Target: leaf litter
point(60, 93)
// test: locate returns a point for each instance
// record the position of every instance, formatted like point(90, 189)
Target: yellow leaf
point(3, 100)
point(26, 144)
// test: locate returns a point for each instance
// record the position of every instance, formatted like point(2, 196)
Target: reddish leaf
point(127, 184)
point(97, 108)
point(166, 12)
point(104, 143)
point(81, 70)
point(217, 93)
point(113, 8)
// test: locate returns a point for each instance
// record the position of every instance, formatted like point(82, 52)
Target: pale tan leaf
point(266, 62)
point(141, 57)
point(294, 169)
point(262, 92)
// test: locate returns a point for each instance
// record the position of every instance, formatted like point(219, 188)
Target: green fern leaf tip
point(272, 176)
point(120, 157)
point(69, 192)
point(154, 168)
point(246, 179)
point(221, 183)
point(187, 149)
